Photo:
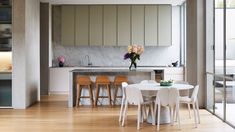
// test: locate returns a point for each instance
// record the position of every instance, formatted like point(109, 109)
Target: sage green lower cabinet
point(68, 25)
point(96, 25)
point(5, 90)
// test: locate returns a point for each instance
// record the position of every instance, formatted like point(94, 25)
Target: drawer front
point(174, 71)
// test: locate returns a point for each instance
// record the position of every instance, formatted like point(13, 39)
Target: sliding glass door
point(220, 59)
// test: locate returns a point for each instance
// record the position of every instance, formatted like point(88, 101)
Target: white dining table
point(151, 89)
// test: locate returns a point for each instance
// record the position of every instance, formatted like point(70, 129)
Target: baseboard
point(58, 92)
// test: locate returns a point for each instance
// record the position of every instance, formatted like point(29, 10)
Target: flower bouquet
point(133, 53)
point(61, 61)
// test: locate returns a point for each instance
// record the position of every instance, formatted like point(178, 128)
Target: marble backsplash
point(113, 55)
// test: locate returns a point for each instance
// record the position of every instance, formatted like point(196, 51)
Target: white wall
point(25, 53)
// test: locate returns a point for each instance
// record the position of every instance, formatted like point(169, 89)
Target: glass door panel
point(230, 101)
point(210, 92)
point(219, 96)
point(230, 62)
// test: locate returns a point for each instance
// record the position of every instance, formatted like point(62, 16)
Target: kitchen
point(56, 42)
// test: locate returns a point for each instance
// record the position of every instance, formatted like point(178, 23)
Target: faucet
point(88, 60)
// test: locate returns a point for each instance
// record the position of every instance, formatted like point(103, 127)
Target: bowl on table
point(166, 83)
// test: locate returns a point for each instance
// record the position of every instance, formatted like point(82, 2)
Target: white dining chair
point(148, 82)
point(184, 93)
point(194, 101)
point(167, 97)
point(124, 85)
point(134, 97)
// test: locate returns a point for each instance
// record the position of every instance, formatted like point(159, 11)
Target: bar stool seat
point(118, 84)
point(81, 82)
point(102, 81)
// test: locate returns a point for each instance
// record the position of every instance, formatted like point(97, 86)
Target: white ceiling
point(173, 2)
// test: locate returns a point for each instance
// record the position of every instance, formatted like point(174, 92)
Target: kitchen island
point(133, 77)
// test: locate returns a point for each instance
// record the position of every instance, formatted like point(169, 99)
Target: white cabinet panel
point(124, 25)
point(137, 24)
point(82, 25)
point(67, 25)
point(151, 25)
point(164, 25)
point(110, 25)
point(96, 25)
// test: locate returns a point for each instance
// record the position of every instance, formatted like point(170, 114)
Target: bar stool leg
point(109, 94)
point(91, 94)
point(78, 95)
point(97, 94)
point(115, 94)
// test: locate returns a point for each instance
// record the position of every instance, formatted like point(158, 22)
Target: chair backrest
point(133, 95)
point(168, 96)
point(124, 85)
point(147, 81)
point(83, 80)
point(120, 78)
point(195, 93)
point(183, 93)
point(144, 82)
point(102, 79)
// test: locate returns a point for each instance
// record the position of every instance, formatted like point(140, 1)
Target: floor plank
point(52, 115)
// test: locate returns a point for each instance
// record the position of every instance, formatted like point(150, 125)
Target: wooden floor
point(52, 115)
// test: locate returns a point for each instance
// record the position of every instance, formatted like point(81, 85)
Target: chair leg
point(198, 112)
point(121, 110)
point(115, 94)
point(158, 116)
point(195, 117)
point(152, 113)
point(91, 95)
point(138, 116)
point(97, 94)
point(178, 114)
point(78, 95)
point(125, 113)
point(189, 109)
point(109, 94)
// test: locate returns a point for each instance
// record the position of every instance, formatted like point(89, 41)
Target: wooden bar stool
point(84, 81)
point(102, 81)
point(118, 84)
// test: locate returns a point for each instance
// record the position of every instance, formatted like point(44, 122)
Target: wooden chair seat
point(105, 82)
point(117, 84)
point(84, 81)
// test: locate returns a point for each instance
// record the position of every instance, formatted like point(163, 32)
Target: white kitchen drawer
point(174, 70)
point(174, 77)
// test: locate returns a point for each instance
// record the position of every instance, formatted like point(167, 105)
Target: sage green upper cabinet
point(82, 25)
point(124, 37)
point(67, 25)
point(96, 25)
point(164, 25)
point(137, 24)
point(110, 25)
point(151, 25)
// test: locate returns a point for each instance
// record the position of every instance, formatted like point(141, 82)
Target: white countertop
point(118, 67)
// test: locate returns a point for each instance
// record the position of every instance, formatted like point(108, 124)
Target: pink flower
point(61, 59)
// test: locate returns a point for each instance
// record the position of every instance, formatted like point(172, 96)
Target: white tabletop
point(156, 86)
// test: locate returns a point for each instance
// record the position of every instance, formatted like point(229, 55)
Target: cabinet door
point(124, 25)
point(110, 25)
point(151, 25)
point(164, 25)
point(137, 24)
point(96, 26)
point(67, 25)
point(82, 25)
